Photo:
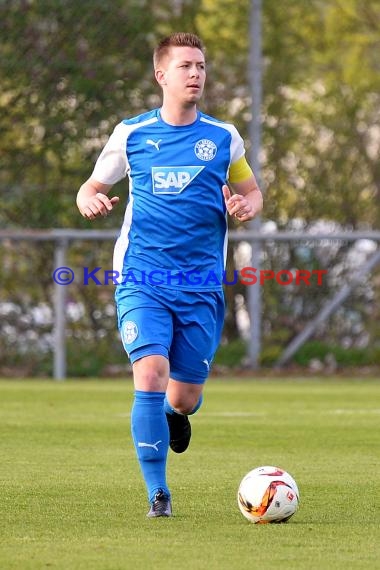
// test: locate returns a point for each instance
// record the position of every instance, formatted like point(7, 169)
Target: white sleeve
point(237, 145)
point(112, 164)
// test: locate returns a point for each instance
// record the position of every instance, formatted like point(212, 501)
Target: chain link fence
point(297, 279)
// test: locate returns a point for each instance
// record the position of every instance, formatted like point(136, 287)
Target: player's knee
point(184, 405)
point(183, 409)
point(150, 380)
point(150, 376)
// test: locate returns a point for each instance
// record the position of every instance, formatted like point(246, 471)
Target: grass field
point(72, 496)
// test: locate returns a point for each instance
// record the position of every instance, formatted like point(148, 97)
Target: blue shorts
point(183, 326)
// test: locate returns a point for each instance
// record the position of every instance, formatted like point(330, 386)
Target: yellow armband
point(239, 171)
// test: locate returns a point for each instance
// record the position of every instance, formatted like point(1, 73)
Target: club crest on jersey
point(173, 179)
point(205, 149)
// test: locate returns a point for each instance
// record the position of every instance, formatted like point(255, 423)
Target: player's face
point(183, 74)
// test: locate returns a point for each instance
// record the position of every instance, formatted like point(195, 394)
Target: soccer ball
point(268, 495)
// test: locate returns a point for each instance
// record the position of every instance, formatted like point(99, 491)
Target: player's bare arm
point(92, 199)
point(247, 200)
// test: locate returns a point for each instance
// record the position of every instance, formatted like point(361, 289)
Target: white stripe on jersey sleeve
point(112, 164)
point(237, 144)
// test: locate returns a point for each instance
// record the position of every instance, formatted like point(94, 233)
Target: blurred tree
point(332, 167)
point(66, 78)
point(321, 120)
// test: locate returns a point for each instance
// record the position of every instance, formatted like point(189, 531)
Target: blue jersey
point(174, 232)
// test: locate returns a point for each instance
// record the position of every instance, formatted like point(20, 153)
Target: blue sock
point(150, 434)
point(169, 410)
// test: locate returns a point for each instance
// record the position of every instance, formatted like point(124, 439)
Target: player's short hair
point(179, 39)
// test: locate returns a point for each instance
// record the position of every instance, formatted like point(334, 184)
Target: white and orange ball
point(268, 495)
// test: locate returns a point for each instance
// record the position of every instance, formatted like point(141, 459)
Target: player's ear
point(160, 76)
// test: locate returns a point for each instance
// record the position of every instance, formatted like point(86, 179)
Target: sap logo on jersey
point(173, 179)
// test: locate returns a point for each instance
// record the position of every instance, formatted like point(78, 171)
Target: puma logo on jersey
point(154, 143)
point(173, 179)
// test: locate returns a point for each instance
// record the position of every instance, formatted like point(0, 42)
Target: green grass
point(72, 496)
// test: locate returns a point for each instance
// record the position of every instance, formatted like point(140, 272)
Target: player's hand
point(98, 205)
point(238, 206)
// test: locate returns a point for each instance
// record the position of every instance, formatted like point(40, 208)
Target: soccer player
point(170, 255)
